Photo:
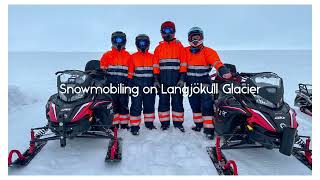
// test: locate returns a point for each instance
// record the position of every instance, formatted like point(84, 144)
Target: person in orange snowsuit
point(170, 70)
point(116, 62)
point(200, 61)
point(141, 75)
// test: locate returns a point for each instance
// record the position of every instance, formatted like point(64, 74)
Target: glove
point(224, 72)
point(156, 82)
point(182, 80)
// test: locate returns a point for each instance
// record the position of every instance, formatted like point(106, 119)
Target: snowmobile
point(303, 99)
point(74, 115)
point(261, 120)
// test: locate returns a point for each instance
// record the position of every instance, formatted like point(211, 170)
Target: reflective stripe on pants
point(115, 119)
point(208, 121)
point(149, 117)
point(124, 118)
point(177, 116)
point(164, 116)
point(197, 117)
point(135, 120)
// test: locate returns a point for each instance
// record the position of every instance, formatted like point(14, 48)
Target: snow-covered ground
point(32, 81)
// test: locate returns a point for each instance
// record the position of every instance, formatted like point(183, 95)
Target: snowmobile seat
point(232, 68)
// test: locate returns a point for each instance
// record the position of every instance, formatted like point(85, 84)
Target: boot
point(165, 125)
point(134, 130)
point(198, 127)
point(149, 125)
point(179, 126)
point(209, 132)
point(124, 126)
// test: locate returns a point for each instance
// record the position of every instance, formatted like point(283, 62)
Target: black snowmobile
point(261, 120)
point(303, 99)
point(75, 115)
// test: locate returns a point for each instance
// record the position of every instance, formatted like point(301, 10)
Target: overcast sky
point(88, 28)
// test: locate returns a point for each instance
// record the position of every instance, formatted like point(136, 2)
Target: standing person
point(170, 70)
point(200, 61)
point(141, 75)
point(116, 63)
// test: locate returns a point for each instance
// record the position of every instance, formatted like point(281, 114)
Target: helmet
point(92, 65)
point(168, 29)
point(118, 40)
point(195, 36)
point(142, 42)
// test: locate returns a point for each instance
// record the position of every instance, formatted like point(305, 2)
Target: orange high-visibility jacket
point(141, 65)
point(170, 61)
point(116, 63)
point(200, 64)
point(172, 50)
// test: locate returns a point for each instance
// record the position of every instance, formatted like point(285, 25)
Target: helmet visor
point(167, 30)
point(143, 43)
point(119, 39)
point(195, 39)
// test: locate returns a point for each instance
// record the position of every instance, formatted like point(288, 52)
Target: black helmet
point(118, 40)
point(92, 65)
point(142, 42)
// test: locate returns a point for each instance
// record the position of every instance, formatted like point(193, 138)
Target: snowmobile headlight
point(263, 101)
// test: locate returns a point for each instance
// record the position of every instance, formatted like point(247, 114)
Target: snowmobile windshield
point(267, 79)
point(270, 89)
point(306, 89)
point(71, 84)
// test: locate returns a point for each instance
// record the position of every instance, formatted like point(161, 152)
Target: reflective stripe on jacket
point(170, 61)
point(141, 68)
point(200, 64)
point(116, 63)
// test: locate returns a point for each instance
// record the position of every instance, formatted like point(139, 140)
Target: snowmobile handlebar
point(88, 72)
point(64, 71)
point(302, 84)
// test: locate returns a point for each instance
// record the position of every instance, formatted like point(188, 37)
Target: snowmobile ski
point(303, 158)
point(34, 148)
point(25, 158)
point(305, 155)
point(222, 165)
point(114, 153)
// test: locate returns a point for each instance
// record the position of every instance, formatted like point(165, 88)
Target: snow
point(32, 81)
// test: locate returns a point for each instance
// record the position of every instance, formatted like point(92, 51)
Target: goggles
point(143, 43)
point(119, 39)
point(168, 30)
